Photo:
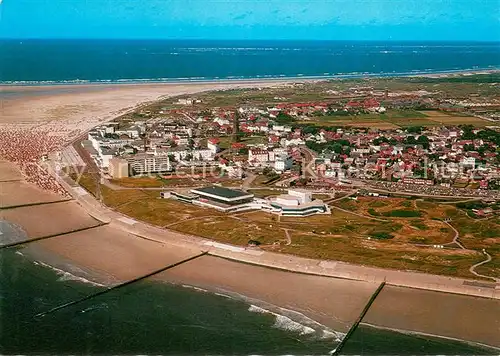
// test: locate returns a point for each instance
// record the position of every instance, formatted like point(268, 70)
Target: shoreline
point(246, 80)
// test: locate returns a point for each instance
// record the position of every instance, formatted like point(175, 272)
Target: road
point(288, 237)
point(250, 177)
point(309, 156)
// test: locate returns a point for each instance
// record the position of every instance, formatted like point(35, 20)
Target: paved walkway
point(488, 259)
point(455, 238)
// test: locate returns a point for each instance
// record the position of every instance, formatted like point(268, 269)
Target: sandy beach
point(115, 255)
point(333, 302)
point(456, 316)
point(80, 107)
point(49, 219)
point(16, 193)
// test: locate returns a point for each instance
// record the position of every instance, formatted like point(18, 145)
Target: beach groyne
point(355, 325)
point(118, 286)
point(35, 239)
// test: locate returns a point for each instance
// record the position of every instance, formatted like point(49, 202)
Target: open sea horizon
point(38, 62)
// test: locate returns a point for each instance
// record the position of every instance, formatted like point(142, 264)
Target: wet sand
point(84, 106)
point(451, 315)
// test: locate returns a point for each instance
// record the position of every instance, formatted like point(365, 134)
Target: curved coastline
point(229, 255)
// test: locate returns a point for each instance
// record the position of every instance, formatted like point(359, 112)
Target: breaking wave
point(301, 325)
point(66, 276)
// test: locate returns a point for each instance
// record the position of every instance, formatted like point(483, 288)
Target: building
point(283, 163)
point(258, 156)
point(468, 162)
point(118, 168)
point(145, 163)
point(223, 199)
point(104, 156)
point(298, 203)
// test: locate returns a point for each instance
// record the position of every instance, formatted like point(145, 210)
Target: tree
point(424, 141)
point(410, 140)
point(283, 118)
point(468, 147)
point(414, 129)
point(337, 148)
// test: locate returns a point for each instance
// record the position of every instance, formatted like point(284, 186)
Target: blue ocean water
point(164, 60)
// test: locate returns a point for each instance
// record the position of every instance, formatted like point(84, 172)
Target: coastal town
point(446, 148)
point(355, 184)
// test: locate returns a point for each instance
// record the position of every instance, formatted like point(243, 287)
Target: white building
point(144, 163)
point(298, 203)
point(283, 163)
point(203, 155)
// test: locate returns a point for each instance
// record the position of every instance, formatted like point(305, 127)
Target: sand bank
point(84, 106)
point(451, 315)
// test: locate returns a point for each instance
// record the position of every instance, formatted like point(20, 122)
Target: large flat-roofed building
point(221, 198)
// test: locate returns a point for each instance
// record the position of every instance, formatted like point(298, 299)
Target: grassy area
point(384, 254)
point(321, 196)
point(397, 118)
point(139, 182)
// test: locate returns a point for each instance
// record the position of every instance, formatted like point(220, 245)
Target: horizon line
point(246, 39)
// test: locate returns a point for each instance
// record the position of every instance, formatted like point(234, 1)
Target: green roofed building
point(222, 198)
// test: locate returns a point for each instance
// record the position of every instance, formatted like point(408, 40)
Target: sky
point(252, 19)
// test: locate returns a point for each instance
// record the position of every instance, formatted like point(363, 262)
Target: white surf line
point(420, 333)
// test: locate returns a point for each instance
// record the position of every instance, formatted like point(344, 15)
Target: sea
point(153, 318)
point(103, 61)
